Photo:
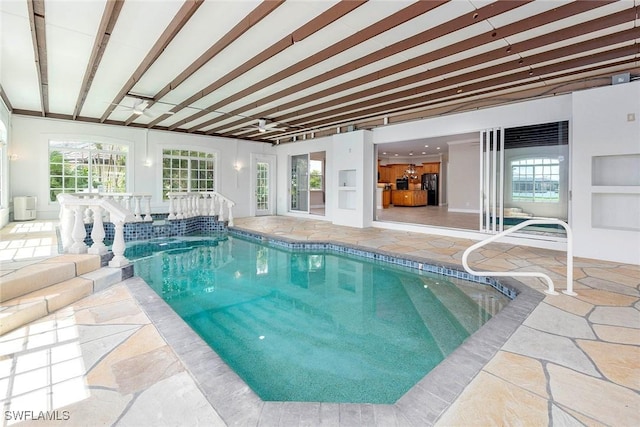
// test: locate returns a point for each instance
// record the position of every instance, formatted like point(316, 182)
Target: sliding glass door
point(299, 184)
point(524, 174)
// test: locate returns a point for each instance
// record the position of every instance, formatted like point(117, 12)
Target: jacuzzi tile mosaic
point(163, 228)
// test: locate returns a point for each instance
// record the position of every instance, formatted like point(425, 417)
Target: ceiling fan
point(139, 108)
point(265, 125)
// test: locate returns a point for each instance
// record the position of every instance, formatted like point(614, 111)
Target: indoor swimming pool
point(314, 324)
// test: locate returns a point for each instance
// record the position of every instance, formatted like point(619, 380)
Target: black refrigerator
point(430, 183)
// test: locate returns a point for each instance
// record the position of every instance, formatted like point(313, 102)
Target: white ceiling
point(310, 66)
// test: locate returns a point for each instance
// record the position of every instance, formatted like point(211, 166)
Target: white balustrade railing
point(206, 203)
point(73, 214)
point(550, 290)
point(138, 203)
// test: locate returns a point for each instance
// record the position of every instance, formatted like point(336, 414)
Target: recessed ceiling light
point(426, 146)
point(424, 152)
point(384, 152)
point(396, 154)
point(411, 153)
point(437, 148)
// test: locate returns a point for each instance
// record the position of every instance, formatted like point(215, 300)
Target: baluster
point(136, 211)
point(118, 246)
point(107, 215)
point(212, 206)
point(126, 200)
point(66, 227)
point(202, 204)
point(196, 205)
point(230, 207)
point(147, 209)
point(171, 209)
point(221, 212)
point(180, 207)
point(188, 199)
point(97, 234)
point(87, 212)
point(79, 232)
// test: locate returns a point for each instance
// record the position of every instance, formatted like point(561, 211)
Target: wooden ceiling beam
point(321, 21)
point(392, 21)
point(428, 94)
point(181, 18)
point(419, 61)
point(39, 39)
point(526, 61)
point(109, 18)
point(253, 18)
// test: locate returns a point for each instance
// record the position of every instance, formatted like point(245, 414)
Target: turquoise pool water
point(314, 326)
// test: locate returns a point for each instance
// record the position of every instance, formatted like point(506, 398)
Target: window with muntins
point(76, 167)
point(185, 170)
point(536, 180)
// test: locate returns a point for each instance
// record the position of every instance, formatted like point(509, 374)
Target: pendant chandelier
point(410, 172)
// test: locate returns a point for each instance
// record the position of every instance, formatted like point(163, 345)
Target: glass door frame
point(304, 177)
point(491, 181)
point(271, 198)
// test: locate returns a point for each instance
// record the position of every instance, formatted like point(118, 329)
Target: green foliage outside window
point(185, 170)
point(85, 166)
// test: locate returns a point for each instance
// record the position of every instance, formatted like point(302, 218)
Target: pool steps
point(34, 291)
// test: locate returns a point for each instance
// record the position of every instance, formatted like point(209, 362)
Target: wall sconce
point(237, 166)
point(148, 163)
point(13, 157)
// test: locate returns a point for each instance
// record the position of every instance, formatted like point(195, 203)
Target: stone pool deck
point(120, 357)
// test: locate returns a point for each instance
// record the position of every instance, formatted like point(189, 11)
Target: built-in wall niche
point(615, 197)
point(347, 178)
point(347, 189)
point(623, 170)
point(615, 211)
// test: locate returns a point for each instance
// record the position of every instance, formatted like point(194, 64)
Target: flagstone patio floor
point(120, 357)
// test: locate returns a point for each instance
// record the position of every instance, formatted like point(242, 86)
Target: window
point(184, 170)
point(536, 180)
point(86, 166)
point(315, 175)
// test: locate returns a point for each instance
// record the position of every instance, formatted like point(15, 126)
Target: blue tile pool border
point(415, 263)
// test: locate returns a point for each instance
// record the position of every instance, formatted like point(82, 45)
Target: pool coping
point(422, 405)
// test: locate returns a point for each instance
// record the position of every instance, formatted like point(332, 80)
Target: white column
point(147, 209)
point(118, 246)
point(97, 234)
point(221, 213)
point(87, 212)
point(79, 232)
point(126, 202)
point(180, 207)
point(136, 208)
point(171, 208)
point(230, 206)
point(66, 227)
point(212, 205)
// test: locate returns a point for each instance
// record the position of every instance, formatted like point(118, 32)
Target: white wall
point(462, 182)
point(601, 126)
point(283, 153)
point(31, 135)
point(350, 150)
point(5, 118)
